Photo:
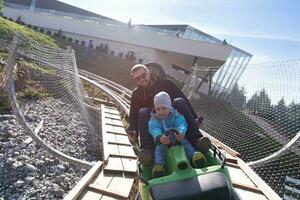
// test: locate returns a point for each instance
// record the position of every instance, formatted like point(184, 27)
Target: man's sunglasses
point(141, 77)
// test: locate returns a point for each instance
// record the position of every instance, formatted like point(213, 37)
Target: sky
point(268, 29)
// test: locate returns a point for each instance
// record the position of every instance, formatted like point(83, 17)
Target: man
point(142, 105)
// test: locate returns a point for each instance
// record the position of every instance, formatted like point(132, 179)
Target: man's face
point(142, 77)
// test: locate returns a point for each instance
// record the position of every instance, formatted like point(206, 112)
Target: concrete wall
point(122, 34)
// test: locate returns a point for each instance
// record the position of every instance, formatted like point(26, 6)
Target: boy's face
point(162, 111)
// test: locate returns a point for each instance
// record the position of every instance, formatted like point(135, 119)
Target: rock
point(6, 145)
point(19, 184)
point(2, 156)
point(16, 153)
point(23, 157)
point(27, 141)
point(3, 133)
point(12, 121)
point(31, 168)
point(29, 179)
point(57, 190)
point(39, 163)
point(16, 164)
point(66, 179)
point(12, 133)
point(60, 167)
point(10, 160)
point(66, 164)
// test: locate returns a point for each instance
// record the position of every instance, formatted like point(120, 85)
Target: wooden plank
point(229, 157)
point(115, 122)
point(110, 137)
point(116, 112)
point(105, 150)
point(121, 185)
point(120, 155)
point(115, 125)
point(121, 144)
point(109, 149)
point(90, 195)
point(245, 195)
point(105, 192)
point(223, 146)
point(114, 164)
point(268, 192)
point(123, 139)
point(116, 132)
point(117, 129)
point(109, 116)
point(104, 197)
point(125, 150)
point(109, 113)
point(102, 179)
point(247, 187)
point(228, 164)
point(129, 165)
point(238, 176)
point(110, 108)
point(80, 186)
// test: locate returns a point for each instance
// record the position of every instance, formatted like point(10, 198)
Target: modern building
point(176, 47)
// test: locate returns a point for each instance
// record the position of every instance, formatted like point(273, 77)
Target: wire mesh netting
point(260, 119)
point(51, 98)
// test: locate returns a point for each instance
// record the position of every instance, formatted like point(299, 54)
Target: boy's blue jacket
point(157, 127)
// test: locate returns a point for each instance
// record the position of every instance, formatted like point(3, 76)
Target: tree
point(280, 113)
point(293, 118)
point(237, 97)
point(260, 104)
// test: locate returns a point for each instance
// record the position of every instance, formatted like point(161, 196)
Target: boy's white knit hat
point(162, 99)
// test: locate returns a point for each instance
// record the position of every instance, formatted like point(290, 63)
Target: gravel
point(29, 172)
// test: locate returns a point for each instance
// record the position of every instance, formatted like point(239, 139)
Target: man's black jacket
point(143, 97)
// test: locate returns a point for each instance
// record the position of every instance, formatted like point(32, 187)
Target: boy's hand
point(164, 139)
point(132, 136)
point(179, 137)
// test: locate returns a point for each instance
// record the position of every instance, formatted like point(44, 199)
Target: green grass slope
point(9, 28)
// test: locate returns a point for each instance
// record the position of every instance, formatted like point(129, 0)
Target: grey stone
point(19, 184)
point(17, 164)
point(30, 167)
point(8, 144)
point(29, 179)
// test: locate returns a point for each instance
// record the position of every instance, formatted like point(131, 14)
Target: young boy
point(163, 118)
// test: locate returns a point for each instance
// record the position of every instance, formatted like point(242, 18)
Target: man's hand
point(164, 139)
point(179, 137)
point(132, 136)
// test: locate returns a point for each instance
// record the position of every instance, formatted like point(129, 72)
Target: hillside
point(9, 28)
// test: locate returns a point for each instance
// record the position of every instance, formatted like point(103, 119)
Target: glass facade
point(228, 74)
